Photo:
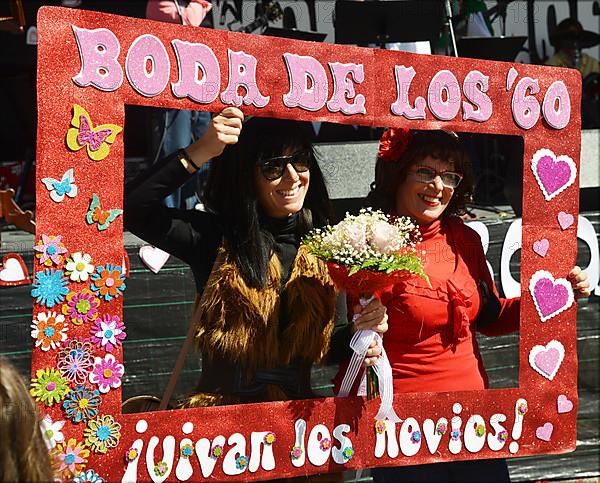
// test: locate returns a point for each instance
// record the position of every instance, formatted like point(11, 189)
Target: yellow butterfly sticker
point(84, 134)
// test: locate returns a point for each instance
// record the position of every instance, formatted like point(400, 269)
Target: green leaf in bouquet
point(353, 270)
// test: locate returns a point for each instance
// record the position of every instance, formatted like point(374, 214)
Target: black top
point(194, 236)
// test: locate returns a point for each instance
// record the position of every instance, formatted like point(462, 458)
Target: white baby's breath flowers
point(370, 240)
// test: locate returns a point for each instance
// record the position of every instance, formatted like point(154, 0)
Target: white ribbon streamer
point(360, 343)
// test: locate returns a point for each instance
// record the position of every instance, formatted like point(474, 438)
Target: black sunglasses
point(273, 168)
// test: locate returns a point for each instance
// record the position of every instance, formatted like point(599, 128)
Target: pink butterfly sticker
point(93, 138)
point(83, 134)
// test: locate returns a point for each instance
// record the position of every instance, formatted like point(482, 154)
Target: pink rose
point(382, 236)
point(357, 236)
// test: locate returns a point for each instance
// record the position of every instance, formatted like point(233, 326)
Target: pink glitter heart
point(565, 220)
point(547, 361)
point(545, 432)
point(564, 405)
point(541, 247)
point(550, 297)
point(553, 173)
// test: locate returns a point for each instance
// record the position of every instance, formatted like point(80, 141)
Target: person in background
point(568, 39)
point(23, 452)
point(175, 129)
point(270, 306)
point(431, 341)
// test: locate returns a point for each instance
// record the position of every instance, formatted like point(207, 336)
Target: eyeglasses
point(450, 179)
point(273, 168)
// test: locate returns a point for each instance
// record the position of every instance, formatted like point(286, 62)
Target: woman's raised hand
point(373, 316)
point(580, 283)
point(224, 128)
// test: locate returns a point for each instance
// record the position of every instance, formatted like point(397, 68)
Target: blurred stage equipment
point(270, 11)
point(291, 33)
point(236, 11)
point(450, 26)
point(363, 23)
point(14, 23)
point(491, 48)
point(266, 11)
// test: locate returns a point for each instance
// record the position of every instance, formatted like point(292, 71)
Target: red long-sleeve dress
point(431, 341)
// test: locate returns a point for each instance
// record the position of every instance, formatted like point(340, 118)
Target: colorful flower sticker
point(51, 430)
point(75, 361)
point(108, 332)
point(50, 287)
point(102, 434)
point(441, 429)
point(70, 458)
point(161, 468)
point(480, 430)
point(269, 438)
point(49, 386)
point(109, 281)
point(59, 189)
point(415, 437)
point(89, 476)
point(103, 218)
point(186, 451)
point(455, 435)
point(82, 403)
point(107, 373)
point(50, 250)
point(241, 462)
point(84, 134)
point(216, 451)
point(348, 453)
point(522, 408)
point(380, 426)
point(79, 267)
point(502, 436)
point(131, 454)
point(81, 306)
point(296, 452)
point(49, 329)
point(325, 444)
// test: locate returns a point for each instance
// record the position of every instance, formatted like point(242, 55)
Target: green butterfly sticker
point(102, 217)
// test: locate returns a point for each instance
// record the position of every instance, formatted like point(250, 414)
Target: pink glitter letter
point(300, 70)
point(557, 117)
point(190, 58)
point(143, 49)
point(242, 73)
point(474, 87)
point(526, 108)
point(404, 76)
point(444, 110)
point(343, 88)
point(98, 51)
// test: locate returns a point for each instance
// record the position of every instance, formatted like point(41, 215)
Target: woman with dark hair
point(269, 305)
point(431, 343)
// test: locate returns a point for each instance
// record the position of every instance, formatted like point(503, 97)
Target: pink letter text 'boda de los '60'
point(148, 67)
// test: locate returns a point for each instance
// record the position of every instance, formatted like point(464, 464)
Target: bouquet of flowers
point(367, 253)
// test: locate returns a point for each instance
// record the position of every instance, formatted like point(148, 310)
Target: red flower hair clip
point(393, 144)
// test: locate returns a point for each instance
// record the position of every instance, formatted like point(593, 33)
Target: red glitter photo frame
point(90, 65)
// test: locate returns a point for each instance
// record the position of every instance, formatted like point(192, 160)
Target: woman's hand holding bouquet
point(365, 254)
